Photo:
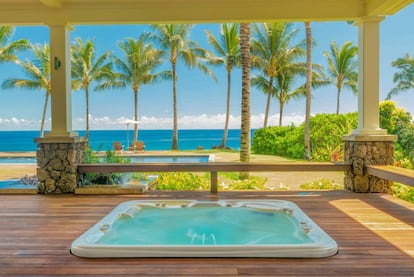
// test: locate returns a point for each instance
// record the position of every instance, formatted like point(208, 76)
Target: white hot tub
point(188, 228)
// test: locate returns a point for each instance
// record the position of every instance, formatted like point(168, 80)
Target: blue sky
point(201, 101)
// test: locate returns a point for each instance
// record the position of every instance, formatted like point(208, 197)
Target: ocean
point(22, 141)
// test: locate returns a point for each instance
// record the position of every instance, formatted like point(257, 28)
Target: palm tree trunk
point(87, 114)
point(307, 152)
point(226, 124)
point(269, 97)
point(282, 105)
point(337, 100)
point(42, 125)
point(135, 138)
point(245, 103)
point(174, 145)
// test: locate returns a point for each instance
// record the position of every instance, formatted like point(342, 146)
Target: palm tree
point(228, 54)
point(245, 101)
point(174, 39)
point(343, 68)
point(136, 69)
point(307, 147)
point(404, 77)
point(86, 69)
point(8, 50)
point(281, 89)
point(38, 76)
point(271, 46)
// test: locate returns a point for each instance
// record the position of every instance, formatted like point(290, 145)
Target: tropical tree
point(245, 94)
point(227, 47)
point(307, 145)
point(9, 49)
point(271, 48)
point(87, 68)
point(404, 78)
point(136, 69)
point(38, 76)
point(343, 68)
point(174, 40)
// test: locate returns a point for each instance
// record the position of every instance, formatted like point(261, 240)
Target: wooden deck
point(375, 235)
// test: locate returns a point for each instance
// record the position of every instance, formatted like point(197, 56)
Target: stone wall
point(369, 151)
point(57, 165)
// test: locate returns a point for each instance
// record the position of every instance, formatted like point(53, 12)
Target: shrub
point(321, 184)
point(403, 192)
point(326, 137)
point(181, 181)
point(399, 122)
point(327, 131)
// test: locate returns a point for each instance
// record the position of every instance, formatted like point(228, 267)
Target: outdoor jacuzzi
point(188, 228)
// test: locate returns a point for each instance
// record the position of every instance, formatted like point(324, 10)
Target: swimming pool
point(133, 158)
point(17, 160)
point(188, 228)
point(170, 158)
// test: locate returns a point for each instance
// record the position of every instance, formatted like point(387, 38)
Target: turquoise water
point(133, 159)
point(204, 225)
point(14, 184)
point(17, 160)
point(19, 141)
point(168, 159)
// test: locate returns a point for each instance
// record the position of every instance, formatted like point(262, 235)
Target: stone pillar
point(363, 150)
point(61, 150)
point(57, 161)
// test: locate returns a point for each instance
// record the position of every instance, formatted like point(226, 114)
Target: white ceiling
point(53, 12)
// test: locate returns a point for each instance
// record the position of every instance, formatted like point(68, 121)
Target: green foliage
point(282, 141)
point(403, 192)
point(234, 176)
point(327, 131)
point(399, 122)
point(324, 184)
point(326, 137)
point(190, 181)
point(181, 181)
point(393, 118)
point(100, 178)
point(251, 183)
point(90, 156)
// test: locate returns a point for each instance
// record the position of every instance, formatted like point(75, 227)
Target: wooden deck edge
point(110, 190)
point(19, 191)
point(393, 173)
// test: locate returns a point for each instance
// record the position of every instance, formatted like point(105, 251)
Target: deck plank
point(36, 232)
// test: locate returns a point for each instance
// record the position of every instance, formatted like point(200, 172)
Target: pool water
point(17, 160)
point(15, 184)
point(205, 225)
point(133, 159)
point(188, 228)
point(169, 159)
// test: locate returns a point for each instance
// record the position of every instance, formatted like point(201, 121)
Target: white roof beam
point(52, 3)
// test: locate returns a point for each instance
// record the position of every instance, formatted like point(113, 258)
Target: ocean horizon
point(101, 140)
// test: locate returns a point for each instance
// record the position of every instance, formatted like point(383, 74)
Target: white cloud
point(202, 121)
point(15, 123)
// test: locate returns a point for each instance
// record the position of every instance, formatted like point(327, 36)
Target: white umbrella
point(128, 122)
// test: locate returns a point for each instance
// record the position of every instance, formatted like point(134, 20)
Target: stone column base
point(57, 160)
point(361, 150)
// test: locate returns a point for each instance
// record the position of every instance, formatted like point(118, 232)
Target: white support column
point(368, 82)
point(61, 99)
point(368, 144)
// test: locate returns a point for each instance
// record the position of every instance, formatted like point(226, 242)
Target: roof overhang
point(51, 12)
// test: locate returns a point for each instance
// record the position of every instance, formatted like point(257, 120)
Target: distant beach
point(22, 141)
